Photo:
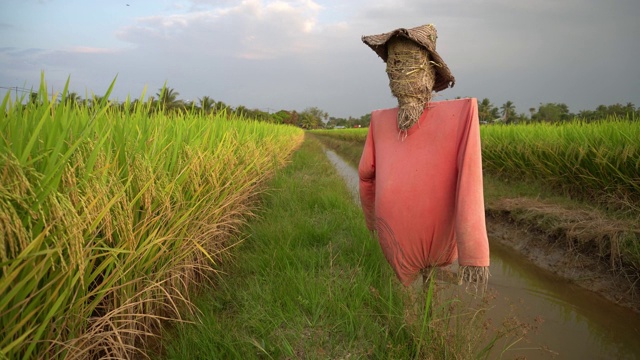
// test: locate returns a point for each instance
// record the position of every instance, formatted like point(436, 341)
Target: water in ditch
point(571, 322)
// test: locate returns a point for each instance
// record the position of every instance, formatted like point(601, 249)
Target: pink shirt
point(423, 194)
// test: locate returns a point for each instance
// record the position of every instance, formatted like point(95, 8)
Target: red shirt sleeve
point(471, 232)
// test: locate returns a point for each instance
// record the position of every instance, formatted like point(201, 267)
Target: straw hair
point(411, 79)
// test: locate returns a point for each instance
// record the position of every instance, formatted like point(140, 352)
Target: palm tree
point(629, 108)
point(485, 110)
point(307, 121)
point(508, 111)
point(73, 98)
point(206, 104)
point(242, 111)
point(168, 98)
point(220, 106)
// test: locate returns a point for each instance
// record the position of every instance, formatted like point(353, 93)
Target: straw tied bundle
point(414, 68)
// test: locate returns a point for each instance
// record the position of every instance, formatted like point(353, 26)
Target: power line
point(16, 89)
point(23, 90)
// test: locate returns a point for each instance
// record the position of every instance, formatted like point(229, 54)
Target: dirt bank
point(579, 245)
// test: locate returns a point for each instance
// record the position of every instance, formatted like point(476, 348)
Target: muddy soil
point(551, 252)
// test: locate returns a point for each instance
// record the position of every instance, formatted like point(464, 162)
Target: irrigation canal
point(574, 323)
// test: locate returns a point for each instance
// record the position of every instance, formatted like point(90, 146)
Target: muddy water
point(571, 323)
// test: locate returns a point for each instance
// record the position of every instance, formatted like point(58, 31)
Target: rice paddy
point(597, 162)
point(111, 215)
point(108, 215)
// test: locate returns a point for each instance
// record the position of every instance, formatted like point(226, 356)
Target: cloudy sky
point(294, 54)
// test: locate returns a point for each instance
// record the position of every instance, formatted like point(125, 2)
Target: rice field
point(357, 134)
point(109, 214)
point(597, 162)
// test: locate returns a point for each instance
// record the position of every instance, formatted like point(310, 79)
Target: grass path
point(308, 281)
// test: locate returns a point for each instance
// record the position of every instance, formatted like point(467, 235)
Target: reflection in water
point(576, 323)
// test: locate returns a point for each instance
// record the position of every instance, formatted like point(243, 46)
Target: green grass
point(309, 281)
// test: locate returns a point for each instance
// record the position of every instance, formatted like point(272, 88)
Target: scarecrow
point(421, 169)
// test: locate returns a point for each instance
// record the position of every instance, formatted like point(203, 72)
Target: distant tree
point(241, 110)
point(365, 120)
point(616, 110)
point(619, 110)
point(521, 119)
point(34, 98)
point(333, 122)
point(73, 98)
point(307, 121)
point(206, 104)
point(168, 98)
point(486, 111)
point(318, 115)
point(630, 108)
point(508, 112)
point(220, 107)
point(312, 118)
point(601, 112)
point(254, 114)
point(281, 117)
point(134, 105)
point(293, 119)
point(553, 112)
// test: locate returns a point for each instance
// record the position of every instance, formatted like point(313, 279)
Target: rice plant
point(358, 134)
point(598, 162)
point(108, 215)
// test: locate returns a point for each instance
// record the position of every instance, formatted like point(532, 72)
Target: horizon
point(297, 54)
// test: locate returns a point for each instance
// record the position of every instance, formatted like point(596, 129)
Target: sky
point(296, 54)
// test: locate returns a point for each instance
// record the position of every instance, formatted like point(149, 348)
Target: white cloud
point(251, 29)
point(92, 50)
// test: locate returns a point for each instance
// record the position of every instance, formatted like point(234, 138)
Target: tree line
point(166, 100)
point(552, 113)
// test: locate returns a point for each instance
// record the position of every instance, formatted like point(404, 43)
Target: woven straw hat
point(424, 36)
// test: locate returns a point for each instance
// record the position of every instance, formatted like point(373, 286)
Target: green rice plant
point(598, 162)
point(356, 135)
point(108, 216)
